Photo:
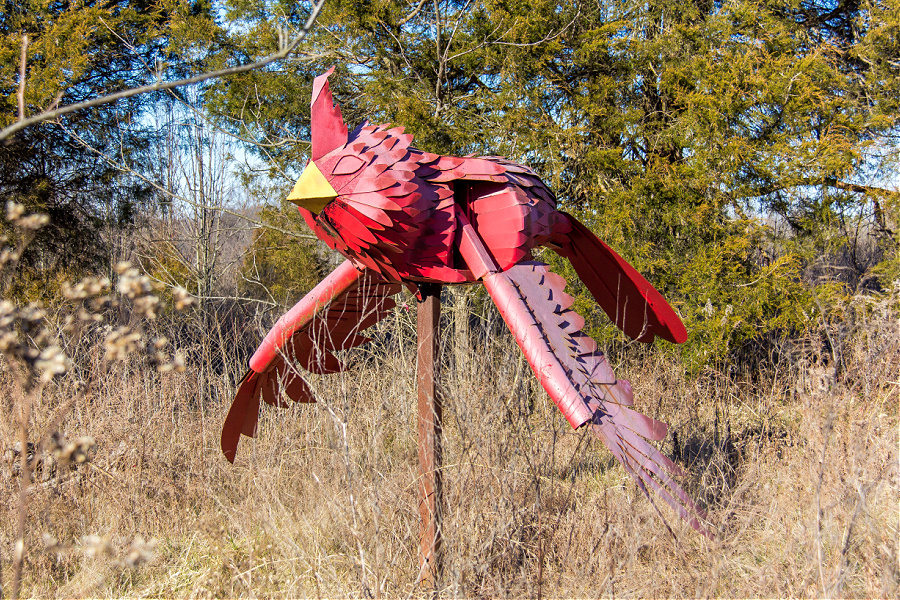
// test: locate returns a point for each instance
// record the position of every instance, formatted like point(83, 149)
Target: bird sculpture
point(404, 217)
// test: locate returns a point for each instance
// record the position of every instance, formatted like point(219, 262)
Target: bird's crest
point(328, 129)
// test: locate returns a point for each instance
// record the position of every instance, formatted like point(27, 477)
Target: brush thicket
point(796, 462)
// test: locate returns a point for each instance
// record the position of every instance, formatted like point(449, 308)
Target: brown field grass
point(797, 462)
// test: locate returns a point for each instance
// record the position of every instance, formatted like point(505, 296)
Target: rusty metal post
point(430, 410)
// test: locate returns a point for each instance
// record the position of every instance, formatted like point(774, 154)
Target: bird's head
point(327, 132)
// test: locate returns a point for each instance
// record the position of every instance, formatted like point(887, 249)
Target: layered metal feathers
point(580, 381)
point(329, 318)
point(404, 216)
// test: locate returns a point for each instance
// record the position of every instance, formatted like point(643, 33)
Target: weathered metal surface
point(401, 215)
point(430, 423)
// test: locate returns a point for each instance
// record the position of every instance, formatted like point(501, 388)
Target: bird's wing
point(444, 169)
point(513, 211)
point(633, 304)
point(508, 205)
point(511, 219)
point(328, 318)
point(575, 373)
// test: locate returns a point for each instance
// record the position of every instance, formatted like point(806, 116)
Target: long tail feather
point(581, 382)
point(574, 373)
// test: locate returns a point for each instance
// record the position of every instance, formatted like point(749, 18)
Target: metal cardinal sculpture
point(406, 217)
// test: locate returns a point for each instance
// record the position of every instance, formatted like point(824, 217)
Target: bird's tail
point(580, 381)
point(630, 301)
point(575, 373)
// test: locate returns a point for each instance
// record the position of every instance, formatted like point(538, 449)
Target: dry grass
point(797, 465)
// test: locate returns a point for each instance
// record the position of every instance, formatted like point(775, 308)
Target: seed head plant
point(30, 347)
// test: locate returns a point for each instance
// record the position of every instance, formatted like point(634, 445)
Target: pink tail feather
point(580, 381)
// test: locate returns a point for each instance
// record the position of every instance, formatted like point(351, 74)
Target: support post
point(430, 413)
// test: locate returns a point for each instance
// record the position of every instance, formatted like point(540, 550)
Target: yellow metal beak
point(312, 190)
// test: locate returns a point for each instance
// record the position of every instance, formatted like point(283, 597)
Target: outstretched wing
point(631, 301)
point(328, 318)
point(576, 374)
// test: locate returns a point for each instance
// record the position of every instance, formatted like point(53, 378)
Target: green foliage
point(81, 49)
point(739, 154)
point(734, 153)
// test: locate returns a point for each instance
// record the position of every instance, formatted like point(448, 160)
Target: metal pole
point(430, 489)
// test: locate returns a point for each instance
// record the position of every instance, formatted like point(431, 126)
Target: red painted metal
point(328, 318)
point(401, 215)
point(397, 213)
point(576, 375)
point(335, 285)
point(615, 284)
point(329, 131)
point(473, 251)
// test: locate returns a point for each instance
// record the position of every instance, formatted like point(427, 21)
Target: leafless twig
point(47, 115)
point(411, 15)
point(21, 93)
point(175, 196)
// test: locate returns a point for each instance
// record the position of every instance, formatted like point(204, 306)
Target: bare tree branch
point(122, 166)
point(551, 36)
point(21, 93)
point(860, 189)
point(827, 182)
point(46, 115)
point(411, 15)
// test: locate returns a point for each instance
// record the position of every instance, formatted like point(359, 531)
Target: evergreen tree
point(732, 151)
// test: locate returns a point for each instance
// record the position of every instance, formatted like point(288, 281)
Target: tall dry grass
point(797, 462)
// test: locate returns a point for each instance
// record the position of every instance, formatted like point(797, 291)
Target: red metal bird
point(403, 216)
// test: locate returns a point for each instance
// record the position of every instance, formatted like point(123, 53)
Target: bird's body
point(398, 211)
point(406, 217)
